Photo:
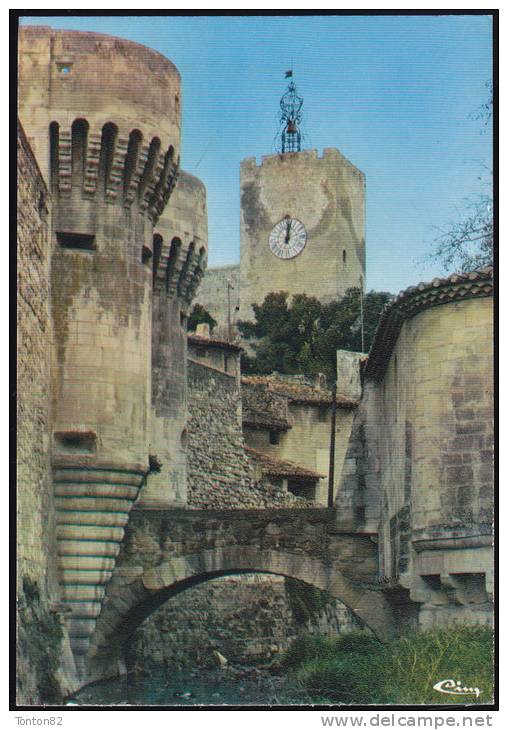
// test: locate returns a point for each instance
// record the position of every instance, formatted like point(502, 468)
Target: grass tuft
point(356, 668)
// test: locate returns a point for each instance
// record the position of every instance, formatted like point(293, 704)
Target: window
point(274, 437)
point(302, 489)
point(146, 255)
point(322, 413)
point(79, 241)
point(76, 442)
point(343, 255)
point(64, 68)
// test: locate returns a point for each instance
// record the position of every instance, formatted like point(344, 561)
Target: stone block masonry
point(213, 296)
point(421, 450)
point(38, 678)
point(35, 503)
point(326, 195)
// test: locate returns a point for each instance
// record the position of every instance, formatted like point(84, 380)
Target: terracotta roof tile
point(298, 392)
point(195, 339)
point(271, 466)
point(415, 299)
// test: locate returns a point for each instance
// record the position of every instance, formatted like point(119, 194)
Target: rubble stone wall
point(220, 475)
point(248, 620)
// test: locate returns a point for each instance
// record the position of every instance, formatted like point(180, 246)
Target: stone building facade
point(290, 417)
point(109, 293)
point(222, 471)
point(324, 197)
point(219, 294)
point(419, 466)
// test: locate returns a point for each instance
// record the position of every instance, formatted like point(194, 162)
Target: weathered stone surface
point(180, 548)
point(213, 296)
point(326, 194)
point(247, 618)
point(220, 473)
point(422, 440)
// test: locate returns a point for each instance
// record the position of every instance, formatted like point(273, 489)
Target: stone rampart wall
point(38, 678)
point(35, 504)
point(213, 296)
point(420, 462)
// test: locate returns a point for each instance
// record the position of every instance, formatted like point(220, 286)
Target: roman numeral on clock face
point(287, 238)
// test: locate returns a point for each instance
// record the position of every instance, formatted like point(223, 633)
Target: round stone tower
point(103, 117)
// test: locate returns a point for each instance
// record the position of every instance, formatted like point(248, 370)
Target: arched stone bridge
point(167, 551)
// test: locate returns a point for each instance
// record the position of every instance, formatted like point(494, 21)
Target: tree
point(200, 315)
point(303, 336)
point(468, 243)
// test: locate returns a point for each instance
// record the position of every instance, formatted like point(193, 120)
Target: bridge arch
point(135, 592)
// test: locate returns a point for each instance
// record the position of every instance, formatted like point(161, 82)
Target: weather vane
point(289, 135)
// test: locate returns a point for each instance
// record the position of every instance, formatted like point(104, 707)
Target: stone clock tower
point(302, 227)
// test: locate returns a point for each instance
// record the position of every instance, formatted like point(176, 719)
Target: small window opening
point(80, 241)
point(302, 489)
point(274, 437)
point(343, 255)
point(76, 442)
point(53, 154)
point(64, 68)
point(157, 249)
point(146, 255)
point(360, 514)
point(322, 413)
point(183, 321)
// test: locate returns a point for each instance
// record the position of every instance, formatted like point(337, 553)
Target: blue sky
point(395, 94)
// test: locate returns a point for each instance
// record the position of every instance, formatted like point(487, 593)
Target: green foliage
point(357, 669)
point(306, 602)
point(304, 335)
point(200, 315)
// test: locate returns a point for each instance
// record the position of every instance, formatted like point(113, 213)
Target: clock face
point(287, 238)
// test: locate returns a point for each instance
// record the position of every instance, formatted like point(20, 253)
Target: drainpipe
point(331, 469)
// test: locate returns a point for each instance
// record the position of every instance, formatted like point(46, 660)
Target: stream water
point(229, 686)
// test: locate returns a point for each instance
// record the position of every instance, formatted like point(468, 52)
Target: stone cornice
point(410, 302)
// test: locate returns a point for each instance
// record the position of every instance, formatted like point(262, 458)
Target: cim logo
point(451, 687)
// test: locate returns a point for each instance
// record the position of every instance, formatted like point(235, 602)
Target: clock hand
point(288, 229)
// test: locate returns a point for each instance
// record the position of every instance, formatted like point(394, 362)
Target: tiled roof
point(263, 419)
point(195, 339)
point(271, 466)
point(298, 392)
point(416, 299)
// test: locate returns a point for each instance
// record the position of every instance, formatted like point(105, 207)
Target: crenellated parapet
point(103, 117)
point(179, 262)
point(118, 166)
point(182, 237)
